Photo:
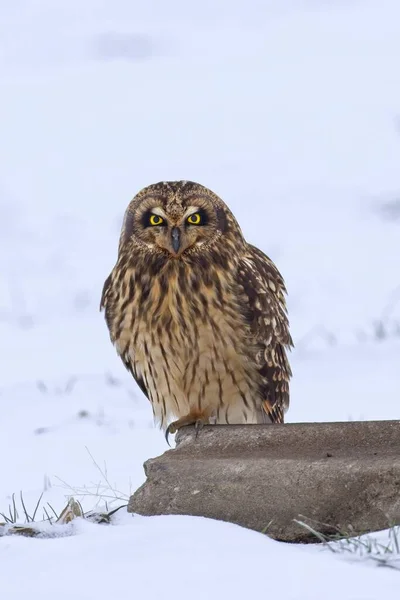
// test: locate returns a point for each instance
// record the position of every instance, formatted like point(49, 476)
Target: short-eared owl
point(198, 315)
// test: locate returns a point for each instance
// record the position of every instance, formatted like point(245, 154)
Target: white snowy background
point(290, 111)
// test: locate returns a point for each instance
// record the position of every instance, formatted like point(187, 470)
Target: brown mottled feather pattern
point(207, 331)
point(265, 293)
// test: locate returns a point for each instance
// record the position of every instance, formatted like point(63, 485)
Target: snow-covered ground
point(290, 111)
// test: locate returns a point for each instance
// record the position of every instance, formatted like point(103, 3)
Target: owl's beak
point(176, 239)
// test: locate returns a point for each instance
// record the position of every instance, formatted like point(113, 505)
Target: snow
point(179, 557)
point(290, 112)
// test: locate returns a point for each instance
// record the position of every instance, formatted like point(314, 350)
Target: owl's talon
point(171, 429)
point(190, 419)
point(198, 426)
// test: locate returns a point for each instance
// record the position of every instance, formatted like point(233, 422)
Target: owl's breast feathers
point(210, 328)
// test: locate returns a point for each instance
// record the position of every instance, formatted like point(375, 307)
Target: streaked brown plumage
point(198, 315)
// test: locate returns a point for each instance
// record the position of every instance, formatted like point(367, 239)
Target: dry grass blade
point(320, 536)
point(37, 507)
point(48, 518)
point(27, 517)
point(52, 510)
point(14, 515)
point(6, 519)
point(72, 511)
point(12, 511)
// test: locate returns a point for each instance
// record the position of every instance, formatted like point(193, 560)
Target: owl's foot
point(198, 419)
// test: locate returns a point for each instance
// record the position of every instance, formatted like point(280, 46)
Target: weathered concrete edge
point(217, 443)
point(366, 434)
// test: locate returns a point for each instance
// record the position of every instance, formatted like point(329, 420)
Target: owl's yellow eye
point(156, 220)
point(194, 219)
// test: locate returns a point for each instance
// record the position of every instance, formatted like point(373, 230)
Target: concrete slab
point(344, 476)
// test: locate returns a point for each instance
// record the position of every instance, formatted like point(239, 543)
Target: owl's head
point(177, 217)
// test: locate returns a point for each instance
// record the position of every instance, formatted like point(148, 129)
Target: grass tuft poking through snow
point(383, 548)
point(50, 526)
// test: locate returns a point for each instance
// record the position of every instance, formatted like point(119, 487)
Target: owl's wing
point(107, 303)
point(266, 312)
point(139, 379)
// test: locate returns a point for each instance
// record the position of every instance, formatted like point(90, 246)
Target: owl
point(197, 314)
